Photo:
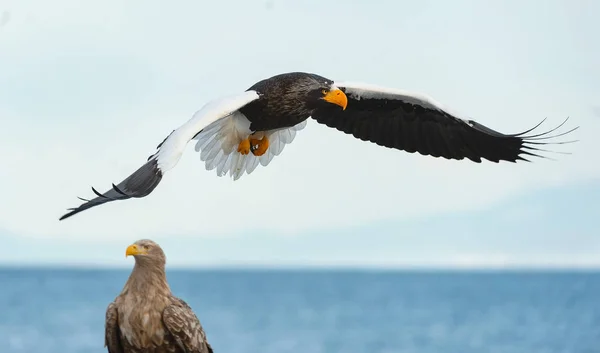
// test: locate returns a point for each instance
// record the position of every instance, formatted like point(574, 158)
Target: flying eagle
point(236, 133)
point(146, 317)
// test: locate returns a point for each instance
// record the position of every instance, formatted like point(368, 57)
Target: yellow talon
point(259, 147)
point(244, 147)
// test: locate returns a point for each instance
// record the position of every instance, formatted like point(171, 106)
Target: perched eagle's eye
point(145, 247)
point(324, 91)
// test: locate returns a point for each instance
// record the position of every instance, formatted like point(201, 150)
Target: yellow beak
point(337, 97)
point(133, 250)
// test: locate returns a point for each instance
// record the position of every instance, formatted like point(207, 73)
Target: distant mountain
point(554, 225)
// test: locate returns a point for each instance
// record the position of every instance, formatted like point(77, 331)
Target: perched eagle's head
point(146, 250)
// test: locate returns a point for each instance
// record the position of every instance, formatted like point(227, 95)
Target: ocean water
point(62, 311)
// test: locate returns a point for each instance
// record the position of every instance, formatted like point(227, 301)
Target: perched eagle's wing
point(112, 339)
point(182, 323)
point(146, 178)
point(416, 123)
point(218, 143)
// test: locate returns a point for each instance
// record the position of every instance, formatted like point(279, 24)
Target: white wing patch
point(173, 146)
point(218, 144)
point(357, 90)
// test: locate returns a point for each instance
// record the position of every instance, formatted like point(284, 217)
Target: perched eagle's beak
point(336, 96)
point(133, 250)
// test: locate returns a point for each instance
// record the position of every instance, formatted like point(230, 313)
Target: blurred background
point(338, 245)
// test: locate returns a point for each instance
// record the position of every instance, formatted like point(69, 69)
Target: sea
point(320, 311)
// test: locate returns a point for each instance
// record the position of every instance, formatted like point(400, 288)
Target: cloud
point(89, 92)
point(4, 18)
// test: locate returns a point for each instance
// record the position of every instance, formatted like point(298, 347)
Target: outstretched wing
point(182, 323)
point(146, 178)
point(112, 339)
point(416, 123)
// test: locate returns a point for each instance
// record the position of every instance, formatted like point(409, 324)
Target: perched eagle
point(146, 317)
point(236, 133)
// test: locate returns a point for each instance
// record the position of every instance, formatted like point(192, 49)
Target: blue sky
point(88, 91)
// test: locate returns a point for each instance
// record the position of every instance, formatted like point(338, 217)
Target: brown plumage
point(146, 317)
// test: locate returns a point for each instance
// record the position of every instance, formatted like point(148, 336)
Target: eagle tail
point(218, 145)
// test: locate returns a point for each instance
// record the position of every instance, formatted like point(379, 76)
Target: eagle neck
point(148, 277)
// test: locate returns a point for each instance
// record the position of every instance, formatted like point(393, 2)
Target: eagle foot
point(244, 147)
point(259, 147)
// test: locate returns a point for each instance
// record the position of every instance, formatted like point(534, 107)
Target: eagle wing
point(143, 181)
point(184, 326)
point(416, 123)
point(112, 338)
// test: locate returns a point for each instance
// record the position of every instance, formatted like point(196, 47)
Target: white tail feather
point(218, 144)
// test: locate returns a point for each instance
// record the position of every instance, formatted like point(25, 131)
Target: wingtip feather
point(544, 138)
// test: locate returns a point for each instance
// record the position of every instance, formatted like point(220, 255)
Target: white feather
point(357, 90)
point(172, 148)
point(218, 144)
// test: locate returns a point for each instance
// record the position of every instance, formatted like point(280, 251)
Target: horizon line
point(256, 267)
